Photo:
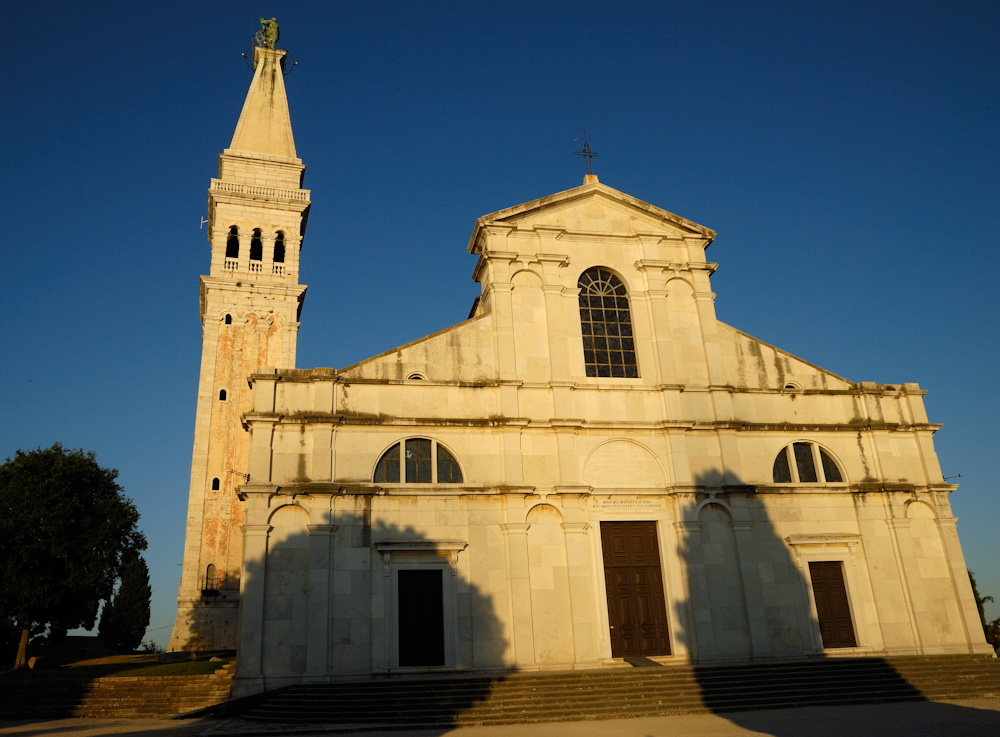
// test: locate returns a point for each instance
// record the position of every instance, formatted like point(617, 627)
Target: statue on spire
point(267, 36)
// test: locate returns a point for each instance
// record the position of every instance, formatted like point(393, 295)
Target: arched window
point(256, 246)
point(233, 243)
point(608, 345)
point(229, 319)
point(417, 461)
point(805, 463)
point(279, 248)
point(215, 484)
point(211, 578)
point(222, 395)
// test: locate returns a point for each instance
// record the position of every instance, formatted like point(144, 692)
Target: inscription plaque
point(630, 504)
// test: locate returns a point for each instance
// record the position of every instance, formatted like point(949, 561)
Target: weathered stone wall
point(548, 453)
point(249, 306)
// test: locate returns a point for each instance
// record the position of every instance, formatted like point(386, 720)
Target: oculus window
point(805, 463)
point(417, 461)
point(608, 344)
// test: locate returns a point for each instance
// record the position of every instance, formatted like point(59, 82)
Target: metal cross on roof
point(586, 154)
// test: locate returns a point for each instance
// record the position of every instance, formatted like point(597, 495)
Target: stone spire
point(265, 126)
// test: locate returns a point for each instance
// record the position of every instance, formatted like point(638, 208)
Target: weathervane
point(586, 154)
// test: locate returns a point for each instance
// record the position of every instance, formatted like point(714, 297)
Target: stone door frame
point(419, 555)
point(846, 549)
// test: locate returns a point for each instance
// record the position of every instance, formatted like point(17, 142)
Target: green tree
point(65, 530)
point(124, 619)
point(993, 632)
point(980, 604)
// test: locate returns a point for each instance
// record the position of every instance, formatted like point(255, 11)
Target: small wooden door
point(832, 608)
point(637, 612)
point(421, 617)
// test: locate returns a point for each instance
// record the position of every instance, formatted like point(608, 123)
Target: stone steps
point(122, 697)
point(615, 693)
point(442, 701)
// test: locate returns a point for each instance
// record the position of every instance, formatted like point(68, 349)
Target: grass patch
point(196, 668)
point(129, 666)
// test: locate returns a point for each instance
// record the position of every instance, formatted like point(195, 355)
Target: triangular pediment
point(593, 208)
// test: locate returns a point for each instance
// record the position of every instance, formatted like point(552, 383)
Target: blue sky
point(846, 154)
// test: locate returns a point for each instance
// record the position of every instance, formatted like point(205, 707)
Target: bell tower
point(250, 306)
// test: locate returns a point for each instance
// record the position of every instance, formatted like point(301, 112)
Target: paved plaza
point(962, 718)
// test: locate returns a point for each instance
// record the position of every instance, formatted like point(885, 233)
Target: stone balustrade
point(300, 195)
point(255, 267)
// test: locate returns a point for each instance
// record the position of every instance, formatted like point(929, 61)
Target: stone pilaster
point(580, 562)
point(520, 592)
point(252, 586)
point(320, 602)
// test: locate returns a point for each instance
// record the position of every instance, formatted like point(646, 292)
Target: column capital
point(515, 528)
point(321, 529)
point(256, 530)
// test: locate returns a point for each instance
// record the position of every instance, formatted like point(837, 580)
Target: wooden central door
point(832, 607)
point(637, 612)
point(421, 617)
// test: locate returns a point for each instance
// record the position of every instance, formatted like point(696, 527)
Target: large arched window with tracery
point(608, 344)
point(417, 461)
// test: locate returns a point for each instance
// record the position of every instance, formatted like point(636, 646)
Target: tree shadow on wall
point(755, 640)
point(747, 596)
point(337, 607)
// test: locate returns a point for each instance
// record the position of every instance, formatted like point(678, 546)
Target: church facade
point(591, 467)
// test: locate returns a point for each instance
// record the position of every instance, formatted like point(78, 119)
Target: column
point(267, 255)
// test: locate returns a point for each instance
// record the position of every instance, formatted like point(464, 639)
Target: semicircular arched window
point(211, 581)
point(279, 248)
point(233, 243)
point(606, 322)
point(805, 463)
point(256, 246)
point(417, 461)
